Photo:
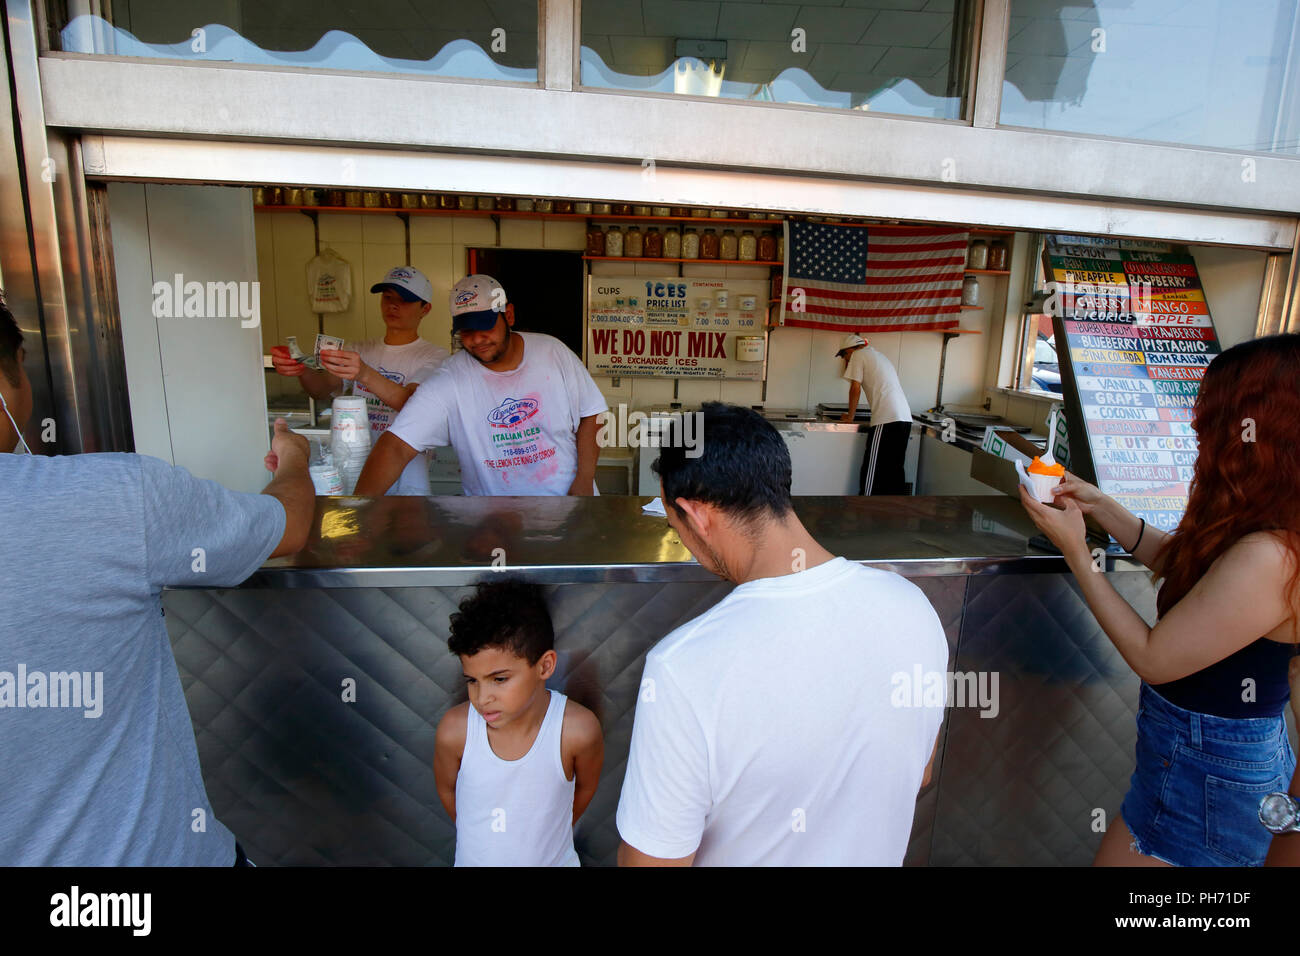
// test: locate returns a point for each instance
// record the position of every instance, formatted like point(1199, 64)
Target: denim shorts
point(1194, 798)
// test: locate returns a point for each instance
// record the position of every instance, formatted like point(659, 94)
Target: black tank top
point(1218, 689)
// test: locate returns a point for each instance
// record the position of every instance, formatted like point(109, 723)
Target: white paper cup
point(326, 479)
point(1043, 485)
point(722, 299)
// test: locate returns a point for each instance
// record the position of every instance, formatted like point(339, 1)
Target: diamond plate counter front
point(315, 689)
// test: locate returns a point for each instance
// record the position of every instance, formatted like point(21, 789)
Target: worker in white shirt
point(866, 370)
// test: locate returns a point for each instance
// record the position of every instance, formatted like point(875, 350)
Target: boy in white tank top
point(517, 764)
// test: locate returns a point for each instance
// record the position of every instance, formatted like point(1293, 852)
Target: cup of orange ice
point(1044, 478)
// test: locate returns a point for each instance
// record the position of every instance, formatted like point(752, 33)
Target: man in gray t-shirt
point(98, 764)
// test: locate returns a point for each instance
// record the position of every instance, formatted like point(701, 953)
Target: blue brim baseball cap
point(410, 283)
point(476, 302)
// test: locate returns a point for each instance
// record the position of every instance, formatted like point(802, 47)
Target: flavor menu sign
point(674, 327)
point(1134, 336)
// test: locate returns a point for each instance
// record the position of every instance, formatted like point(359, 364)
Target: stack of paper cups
point(349, 438)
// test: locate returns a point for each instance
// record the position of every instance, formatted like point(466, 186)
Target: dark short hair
point(744, 465)
point(11, 339)
point(510, 614)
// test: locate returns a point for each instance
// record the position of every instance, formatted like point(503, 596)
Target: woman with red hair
point(1211, 733)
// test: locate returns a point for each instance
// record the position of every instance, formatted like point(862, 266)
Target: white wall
point(1232, 280)
point(802, 368)
point(194, 384)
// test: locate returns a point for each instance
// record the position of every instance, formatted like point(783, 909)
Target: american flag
point(874, 278)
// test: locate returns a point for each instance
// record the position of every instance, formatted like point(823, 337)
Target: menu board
point(1133, 337)
point(676, 327)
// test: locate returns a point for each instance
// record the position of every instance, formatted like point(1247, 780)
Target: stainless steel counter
point(451, 541)
point(305, 775)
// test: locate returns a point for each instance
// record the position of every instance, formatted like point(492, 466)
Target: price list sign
point(1134, 337)
point(676, 327)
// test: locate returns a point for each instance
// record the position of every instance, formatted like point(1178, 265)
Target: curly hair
point(510, 614)
point(1247, 475)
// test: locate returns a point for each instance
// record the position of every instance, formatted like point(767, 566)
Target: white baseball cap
point(851, 340)
point(475, 302)
point(410, 283)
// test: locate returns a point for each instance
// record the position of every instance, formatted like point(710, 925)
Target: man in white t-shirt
point(519, 408)
point(866, 370)
point(771, 730)
point(385, 371)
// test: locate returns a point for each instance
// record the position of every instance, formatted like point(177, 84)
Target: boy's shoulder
point(451, 729)
point(580, 727)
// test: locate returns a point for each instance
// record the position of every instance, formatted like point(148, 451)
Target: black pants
point(882, 464)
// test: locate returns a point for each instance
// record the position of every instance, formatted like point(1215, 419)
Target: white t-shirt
point(514, 432)
point(880, 382)
point(403, 364)
point(766, 731)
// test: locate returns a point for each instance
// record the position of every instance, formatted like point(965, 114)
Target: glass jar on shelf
point(699, 214)
point(602, 208)
point(640, 210)
point(780, 246)
point(654, 243)
point(970, 291)
point(622, 209)
point(544, 205)
point(633, 243)
point(372, 199)
point(595, 241)
point(748, 246)
point(614, 241)
point(719, 214)
point(447, 201)
point(486, 203)
point(690, 244)
point(673, 244)
point(661, 210)
point(728, 247)
point(978, 255)
point(582, 208)
point(506, 203)
point(709, 244)
point(465, 202)
point(410, 200)
point(998, 256)
point(564, 206)
point(335, 197)
point(524, 205)
point(767, 247)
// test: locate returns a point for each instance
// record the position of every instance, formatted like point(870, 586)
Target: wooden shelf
point(700, 220)
point(426, 212)
point(973, 308)
point(704, 221)
point(988, 272)
point(712, 262)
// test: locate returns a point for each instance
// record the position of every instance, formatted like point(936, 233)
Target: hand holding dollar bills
point(323, 341)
